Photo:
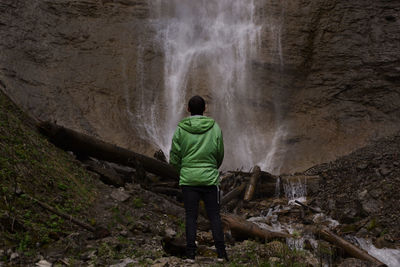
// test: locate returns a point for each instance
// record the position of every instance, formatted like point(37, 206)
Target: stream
point(297, 191)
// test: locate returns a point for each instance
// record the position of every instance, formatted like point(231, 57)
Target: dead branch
point(99, 232)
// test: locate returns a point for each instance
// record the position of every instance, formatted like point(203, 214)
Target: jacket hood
point(196, 124)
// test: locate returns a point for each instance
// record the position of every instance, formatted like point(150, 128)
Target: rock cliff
point(328, 69)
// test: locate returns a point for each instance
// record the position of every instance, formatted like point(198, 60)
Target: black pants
point(191, 198)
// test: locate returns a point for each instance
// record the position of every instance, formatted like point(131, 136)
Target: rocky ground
point(361, 190)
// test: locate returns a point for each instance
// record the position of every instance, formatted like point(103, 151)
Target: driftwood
point(251, 187)
point(348, 247)
point(99, 232)
point(244, 229)
point(83, 144)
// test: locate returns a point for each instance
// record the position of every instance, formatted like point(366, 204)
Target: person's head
point(196, 105)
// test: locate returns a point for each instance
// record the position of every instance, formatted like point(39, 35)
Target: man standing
point(197, 152)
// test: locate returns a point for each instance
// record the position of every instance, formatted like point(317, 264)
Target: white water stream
point(208, 48)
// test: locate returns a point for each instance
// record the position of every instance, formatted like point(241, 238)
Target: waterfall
point(208, 47)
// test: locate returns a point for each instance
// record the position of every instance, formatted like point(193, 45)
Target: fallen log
point(351, 249)
point(241, 228)
point(316, 210)
point(83, 144)
point(107, 176)
point(251, 187)
point(99, 232)
point(233, 194)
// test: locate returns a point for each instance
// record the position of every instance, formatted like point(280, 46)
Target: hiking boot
point(190, 256)
point(222, 256)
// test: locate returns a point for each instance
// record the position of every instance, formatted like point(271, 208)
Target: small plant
point(372, 224)
point(137, 203)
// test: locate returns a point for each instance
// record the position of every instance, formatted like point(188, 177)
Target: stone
point(370, 205)
point(170, 232)
point(125, 262)
point(352, 262)
point(161, 262)
point(361, 195)
point(14, 256)
point(384, 170)
point(120, 195)
point(124, 233)
point(274, 259)
point(43, 263)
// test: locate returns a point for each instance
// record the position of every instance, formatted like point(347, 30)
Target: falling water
point(295, 190)
point(208, 48)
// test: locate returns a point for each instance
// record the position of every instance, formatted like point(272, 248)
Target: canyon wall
point(328, 72)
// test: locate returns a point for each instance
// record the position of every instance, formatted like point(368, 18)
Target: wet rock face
point(74, 61)
point(335, 85)
point(341, 76)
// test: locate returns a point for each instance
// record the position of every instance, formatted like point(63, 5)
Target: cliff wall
point(328, 70)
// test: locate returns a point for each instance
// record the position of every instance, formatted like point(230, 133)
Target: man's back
point(197, 151)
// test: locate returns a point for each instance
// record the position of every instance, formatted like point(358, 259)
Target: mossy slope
point(29, 164)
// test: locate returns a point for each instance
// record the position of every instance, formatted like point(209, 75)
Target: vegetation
point(30, 165)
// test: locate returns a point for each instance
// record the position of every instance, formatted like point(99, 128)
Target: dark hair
point(197, 105)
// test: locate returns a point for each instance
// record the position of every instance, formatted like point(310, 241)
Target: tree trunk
point(244, 229)
point(251, 187)
point(83, 144)
point(348, 247)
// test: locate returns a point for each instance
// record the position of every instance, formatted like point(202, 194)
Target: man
point(197, 152)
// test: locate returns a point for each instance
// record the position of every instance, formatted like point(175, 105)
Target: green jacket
point(197, 151)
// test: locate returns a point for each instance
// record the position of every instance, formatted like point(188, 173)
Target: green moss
point(29, 163)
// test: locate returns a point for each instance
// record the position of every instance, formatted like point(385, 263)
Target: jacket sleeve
point(220, 149)
point(175, 157)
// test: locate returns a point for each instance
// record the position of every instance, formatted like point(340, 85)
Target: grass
point(30, 165)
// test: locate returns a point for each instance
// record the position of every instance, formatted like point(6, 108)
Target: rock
point(89, 255)
point(352, 262)
point(362, 194)
point(381, 242)
point(362, 166)
point(43, 263)
point(338, 92)
point(274, 260)
point(125, 262)
point(124, 233)
point(384, 170)
point(14, 256)
point(371, 205)
point(120, 195)
point(162, 262)
point(170, 232)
